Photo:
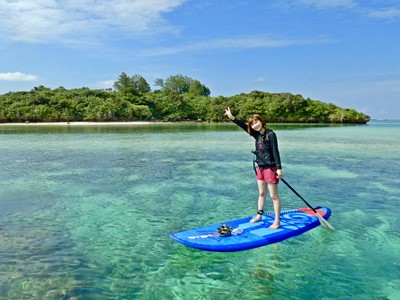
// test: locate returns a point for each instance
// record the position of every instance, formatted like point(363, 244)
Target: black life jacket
point(264, 150)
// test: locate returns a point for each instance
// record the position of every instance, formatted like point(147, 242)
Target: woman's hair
point(250, 121)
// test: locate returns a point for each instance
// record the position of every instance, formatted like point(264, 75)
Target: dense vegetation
point(179, 98)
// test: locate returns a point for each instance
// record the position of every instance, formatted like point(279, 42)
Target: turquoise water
point(86, 212)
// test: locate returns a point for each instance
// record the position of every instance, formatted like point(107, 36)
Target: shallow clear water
point(86, 212)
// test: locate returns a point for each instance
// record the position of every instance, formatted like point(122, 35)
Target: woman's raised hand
point(229, 114)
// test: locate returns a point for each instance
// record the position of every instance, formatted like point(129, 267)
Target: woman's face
point(256, 125)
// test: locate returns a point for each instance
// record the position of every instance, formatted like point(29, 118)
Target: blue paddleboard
point(246, 235)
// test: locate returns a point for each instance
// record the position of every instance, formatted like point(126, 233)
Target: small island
point(179, 98)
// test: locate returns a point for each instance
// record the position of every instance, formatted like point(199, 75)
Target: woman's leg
point(273, 192)
point(262, 189)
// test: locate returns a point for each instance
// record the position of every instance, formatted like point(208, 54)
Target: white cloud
point(385, 13)
point(17, 76)
point(330, 3)
point(235, 44)
point(378, 10)
point(106, 84)
point(261, 79)
point(44, 20)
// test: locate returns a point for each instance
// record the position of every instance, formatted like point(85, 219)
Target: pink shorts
point(267, 175)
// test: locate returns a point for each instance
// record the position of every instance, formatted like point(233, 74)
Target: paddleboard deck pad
point(246, 235)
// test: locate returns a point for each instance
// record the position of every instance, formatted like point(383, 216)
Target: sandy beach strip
point(79, 123)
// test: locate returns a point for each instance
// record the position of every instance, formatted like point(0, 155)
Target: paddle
point(323, 222)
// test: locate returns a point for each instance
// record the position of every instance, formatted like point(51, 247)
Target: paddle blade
point(324, 222)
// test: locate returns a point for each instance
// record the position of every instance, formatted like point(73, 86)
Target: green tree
point(180, 98)
point(124, 81)
point(182, 85)
point(159, 82)
point(177, 83)
point(196, 88)
point(140, 84)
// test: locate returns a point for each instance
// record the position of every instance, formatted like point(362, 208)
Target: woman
point(267, 149)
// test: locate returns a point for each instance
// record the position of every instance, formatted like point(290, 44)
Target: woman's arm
point(231, 117)
point(274, 148)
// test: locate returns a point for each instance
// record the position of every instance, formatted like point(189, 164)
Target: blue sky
point(345, 52)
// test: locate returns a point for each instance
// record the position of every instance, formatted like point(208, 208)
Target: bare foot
point(275, 226)
point(256, 219)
